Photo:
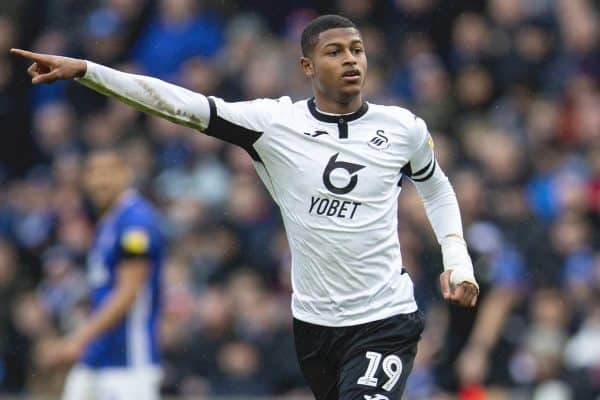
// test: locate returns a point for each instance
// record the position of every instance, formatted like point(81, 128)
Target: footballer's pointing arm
point(147, 94)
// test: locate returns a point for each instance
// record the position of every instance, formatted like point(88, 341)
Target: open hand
point(47, 68)
point(465, 294)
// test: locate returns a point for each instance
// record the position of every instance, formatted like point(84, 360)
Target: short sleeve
point(241, 123)
point(137, 236)
point(421, 164)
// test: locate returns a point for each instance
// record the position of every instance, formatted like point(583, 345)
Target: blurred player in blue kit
point(116, 348)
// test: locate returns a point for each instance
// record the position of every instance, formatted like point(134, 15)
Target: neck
point(331, 106)
point(118, 198)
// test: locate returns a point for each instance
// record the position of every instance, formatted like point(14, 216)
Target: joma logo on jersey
point(316, 134)
point(380, 141)
point(376, 397)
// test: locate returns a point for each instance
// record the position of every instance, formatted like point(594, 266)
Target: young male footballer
point(334, 164)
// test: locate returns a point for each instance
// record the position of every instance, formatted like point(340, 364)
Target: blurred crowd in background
point(509, 89)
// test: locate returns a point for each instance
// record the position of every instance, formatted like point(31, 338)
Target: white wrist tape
point(456, 259)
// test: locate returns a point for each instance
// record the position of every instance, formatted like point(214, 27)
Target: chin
point(102, 201)
point(349, 92)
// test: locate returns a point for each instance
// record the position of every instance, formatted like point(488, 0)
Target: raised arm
point(147, 94)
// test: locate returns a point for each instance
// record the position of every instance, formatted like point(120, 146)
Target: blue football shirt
point(130, 229)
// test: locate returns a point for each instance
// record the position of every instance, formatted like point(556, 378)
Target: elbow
point(439, 193)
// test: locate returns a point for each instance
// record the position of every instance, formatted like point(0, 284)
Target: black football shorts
point(363, 362)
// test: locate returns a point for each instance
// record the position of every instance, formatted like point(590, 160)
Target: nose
point(349, 58)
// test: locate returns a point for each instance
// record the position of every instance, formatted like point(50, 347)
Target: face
point(106, 176)
point(337, 64)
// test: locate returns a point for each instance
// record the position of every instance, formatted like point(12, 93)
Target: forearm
point(111, 313)
point(443, 213)
point(441, 205)
point(149, 95)
point(491, 318)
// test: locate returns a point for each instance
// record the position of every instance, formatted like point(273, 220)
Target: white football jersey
point(336, 180)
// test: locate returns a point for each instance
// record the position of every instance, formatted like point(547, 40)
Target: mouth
point(351, 76)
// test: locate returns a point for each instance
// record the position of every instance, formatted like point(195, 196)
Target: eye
point(358, 50)
point(333, 53)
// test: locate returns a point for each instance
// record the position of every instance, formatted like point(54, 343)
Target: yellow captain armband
point(135, 241)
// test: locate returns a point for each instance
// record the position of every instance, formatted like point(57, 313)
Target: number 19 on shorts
point(392, 367)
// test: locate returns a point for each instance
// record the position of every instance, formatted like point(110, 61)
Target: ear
point(307, 66)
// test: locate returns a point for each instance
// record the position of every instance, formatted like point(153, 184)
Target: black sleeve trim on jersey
point(423, 179)
point(213, 113)
point(407, 170)
point(416, 176)
point(125, 255)
point(232, 133)
point(423, 170)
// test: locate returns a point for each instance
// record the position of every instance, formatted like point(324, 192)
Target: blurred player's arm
point(473, 362)
point(132, 275)
point(458, 282)
point(147, 94)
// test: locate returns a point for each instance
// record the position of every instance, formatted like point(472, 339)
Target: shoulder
point(278, 105)
point(250, 113)
point(140, 227)
point(395, 114)
point(284, 101)
point(271, 102)
point(402, 120)
point(139, 211)
point(275, 106)
point(265, 103)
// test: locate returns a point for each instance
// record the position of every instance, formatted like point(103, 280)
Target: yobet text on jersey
point(333, 207)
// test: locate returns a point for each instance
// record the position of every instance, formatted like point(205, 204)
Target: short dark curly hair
point(310, 34)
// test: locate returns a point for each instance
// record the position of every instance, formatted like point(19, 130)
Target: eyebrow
point(338, 44)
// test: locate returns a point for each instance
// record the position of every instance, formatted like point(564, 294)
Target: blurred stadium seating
point(509, 89)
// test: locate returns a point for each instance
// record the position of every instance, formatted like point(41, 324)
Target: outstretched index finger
point(37, 57)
